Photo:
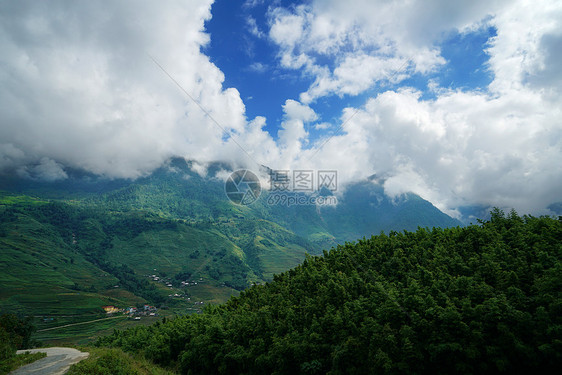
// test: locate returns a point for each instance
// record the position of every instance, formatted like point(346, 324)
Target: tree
point(16, 332)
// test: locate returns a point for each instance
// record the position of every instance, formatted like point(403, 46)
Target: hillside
point(482, 299)
point(65, 260)
point(72, 246)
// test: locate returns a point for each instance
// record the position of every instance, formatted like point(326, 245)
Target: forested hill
point(481, 299)
point(90, 241)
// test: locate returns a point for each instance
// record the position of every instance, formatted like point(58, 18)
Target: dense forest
point(485, 298)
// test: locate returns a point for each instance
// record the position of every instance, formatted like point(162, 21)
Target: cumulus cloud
point(461, 149)
point(292, 133)
point(375, 40)
point(79, 90)
point(77, 86)
point(500, 147)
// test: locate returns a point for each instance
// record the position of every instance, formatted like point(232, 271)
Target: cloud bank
point(78, 89)
point(78, 86)
point(499, 147)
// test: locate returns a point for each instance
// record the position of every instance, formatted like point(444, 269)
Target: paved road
point(58, 361)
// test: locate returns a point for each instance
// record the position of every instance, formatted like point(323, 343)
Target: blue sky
point(250, 63)
point(458, 102)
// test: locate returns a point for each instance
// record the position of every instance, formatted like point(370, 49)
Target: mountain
point(72, 246)
point(482, 299)
point(366, 210)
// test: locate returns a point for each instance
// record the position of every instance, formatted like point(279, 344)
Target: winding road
point(58, 361)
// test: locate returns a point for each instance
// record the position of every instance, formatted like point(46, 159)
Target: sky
point(458, 102)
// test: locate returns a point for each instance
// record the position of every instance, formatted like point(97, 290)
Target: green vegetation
point(69, 247)
point(15, 333)
point(42, 272)
point(63, 259)
point(480, 299)
point(115, 362)
point(72, 334)
point(17, 361)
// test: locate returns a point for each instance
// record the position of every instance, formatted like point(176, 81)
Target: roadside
point(57, 362)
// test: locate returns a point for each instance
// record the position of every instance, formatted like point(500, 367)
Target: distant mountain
point(99, 239)
point(365, 210)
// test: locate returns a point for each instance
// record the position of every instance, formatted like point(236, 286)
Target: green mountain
point(483, 299)
point(69, 247)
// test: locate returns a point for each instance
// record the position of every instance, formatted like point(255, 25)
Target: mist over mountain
point(363, 206)
point(177, 222)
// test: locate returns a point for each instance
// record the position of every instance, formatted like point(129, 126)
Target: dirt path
point(75, 324)
point(57, 362)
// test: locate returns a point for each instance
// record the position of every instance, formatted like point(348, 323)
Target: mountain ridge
point(176, 222)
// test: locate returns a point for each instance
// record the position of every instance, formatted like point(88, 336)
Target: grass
point(116, 362)
point(276, 257)
point(12, 199)
point(91, 327)
point(40, 274)
point(44, 271)
point(83, 334)
point(18, 361)
point(169, 250)
point(210, 293)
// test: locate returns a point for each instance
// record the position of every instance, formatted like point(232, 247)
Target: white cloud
point(460, 149)
point(287, 29)
point(253, 27)
point(46, 170)
point(77, 86)
point(322, 126)
point(378, 40)
point(501, 147)
point(297, 111)
point(523, 46)
point(258, 67)
point(354, 75)
point(292, 134)
point(252, 3)
point(77, 89)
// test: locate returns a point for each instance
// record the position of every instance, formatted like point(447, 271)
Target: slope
point(40, 273)
point(86, 235)
point(480, 299)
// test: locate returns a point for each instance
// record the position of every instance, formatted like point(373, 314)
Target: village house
point(110, 309)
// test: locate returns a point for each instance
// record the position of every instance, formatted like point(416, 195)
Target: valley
point(171, 239)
